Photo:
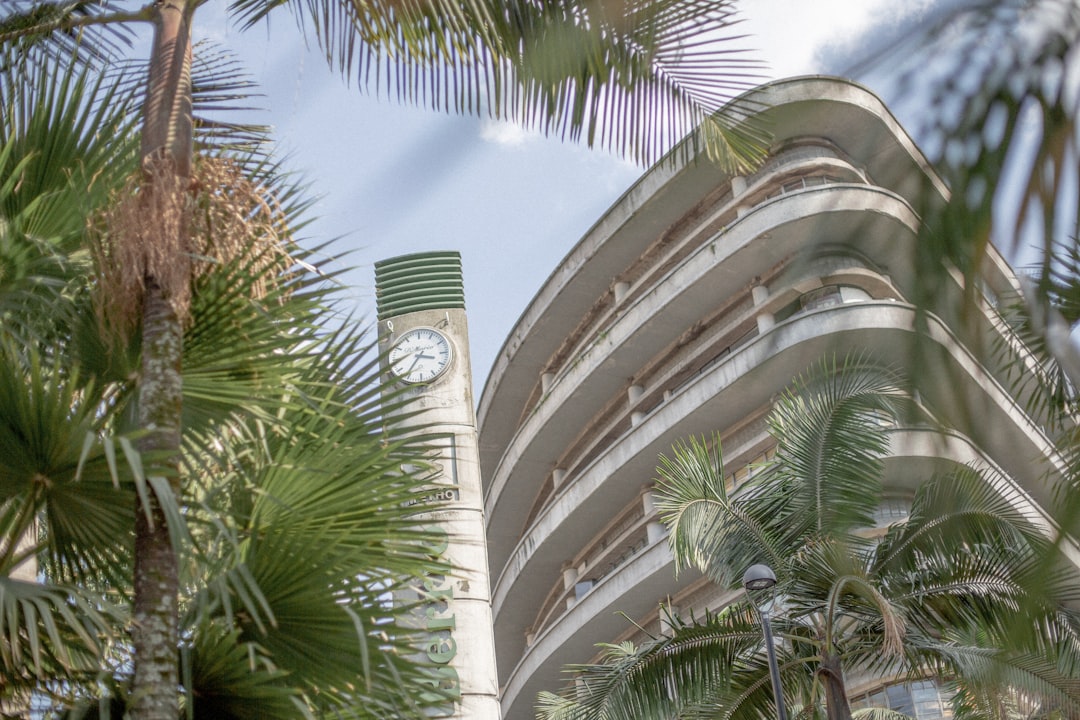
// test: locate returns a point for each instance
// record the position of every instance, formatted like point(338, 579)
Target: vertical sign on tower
point(424, 341)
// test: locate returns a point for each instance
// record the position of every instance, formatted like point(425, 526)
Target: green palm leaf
point(691, 666)
point(710, 529)
point(41, 30)
point(967, 588)
point(56, 470)
point(633, 77)
point(233, 679)
point(832, 431)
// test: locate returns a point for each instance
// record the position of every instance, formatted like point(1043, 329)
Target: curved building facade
point(684, 310)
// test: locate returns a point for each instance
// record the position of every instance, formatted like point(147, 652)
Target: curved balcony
point(834, 109)
point(646, 578)
point(733, 389)
point(630, 531)
point(805, 164)
point(877, 222)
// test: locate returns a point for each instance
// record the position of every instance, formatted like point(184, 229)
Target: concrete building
point(684, 310)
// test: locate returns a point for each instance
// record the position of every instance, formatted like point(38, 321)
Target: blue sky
point(394, 179)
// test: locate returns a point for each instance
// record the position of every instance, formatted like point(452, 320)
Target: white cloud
point(790, 36)
point(504, 133)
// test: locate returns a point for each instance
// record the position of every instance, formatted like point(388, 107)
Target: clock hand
point(416, 359)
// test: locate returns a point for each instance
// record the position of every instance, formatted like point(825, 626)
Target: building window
point(822, 297)
point(921, 700)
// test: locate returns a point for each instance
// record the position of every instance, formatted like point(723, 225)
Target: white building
point(683, 311)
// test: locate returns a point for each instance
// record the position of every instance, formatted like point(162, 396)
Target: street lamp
point(761, 577)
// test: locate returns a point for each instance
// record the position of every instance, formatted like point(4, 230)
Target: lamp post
point(761, 577)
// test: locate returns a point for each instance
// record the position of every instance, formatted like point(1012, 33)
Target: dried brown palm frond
point(176, 230)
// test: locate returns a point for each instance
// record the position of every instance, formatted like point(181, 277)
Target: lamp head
point(758, 577)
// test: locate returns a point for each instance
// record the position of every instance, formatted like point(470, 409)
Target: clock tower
point(424, 343)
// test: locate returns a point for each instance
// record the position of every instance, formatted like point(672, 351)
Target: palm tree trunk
point(166, 146)
point(155, 628)
point(836, 700)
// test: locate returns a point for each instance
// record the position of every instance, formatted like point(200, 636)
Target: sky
point(395, 179)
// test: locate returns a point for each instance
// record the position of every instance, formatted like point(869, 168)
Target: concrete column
point(634, 394)
point(738, 188)
point(654, 529)
point(546, 380)
point(765, 320)
point(620, 289)
point(569, 576)
point(648, 502)
point(665, 613)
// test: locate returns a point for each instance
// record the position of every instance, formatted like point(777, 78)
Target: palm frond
point(1005, 108)
point(307, 524)
point(35, 31)
point(52, 633)
point(709, 529)
point(692, 666)
point(228, 678)
point(1033, 373)
point(832, 428)
point(966, 583)
point(222, 93)
point(967, 507)
point(988, 680)
point(56, 466)
point(634, 77)
point(62, 148)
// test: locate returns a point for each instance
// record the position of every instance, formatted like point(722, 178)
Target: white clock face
point(420, 355)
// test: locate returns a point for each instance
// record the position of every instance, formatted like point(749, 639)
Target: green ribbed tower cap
point(421, 281)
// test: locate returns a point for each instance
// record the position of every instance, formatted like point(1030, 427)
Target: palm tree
point(934, 595)
point(1000, 108)
point(292, 526)
point(625, 75)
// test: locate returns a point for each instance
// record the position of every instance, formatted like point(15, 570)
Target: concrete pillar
point(738, 188)
point(546, 380)
point(621, 289)
point(665, 614)
point(648, 502)
point(765, 320)
point(635, 393)
point(654, 529)
point(569, 576)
